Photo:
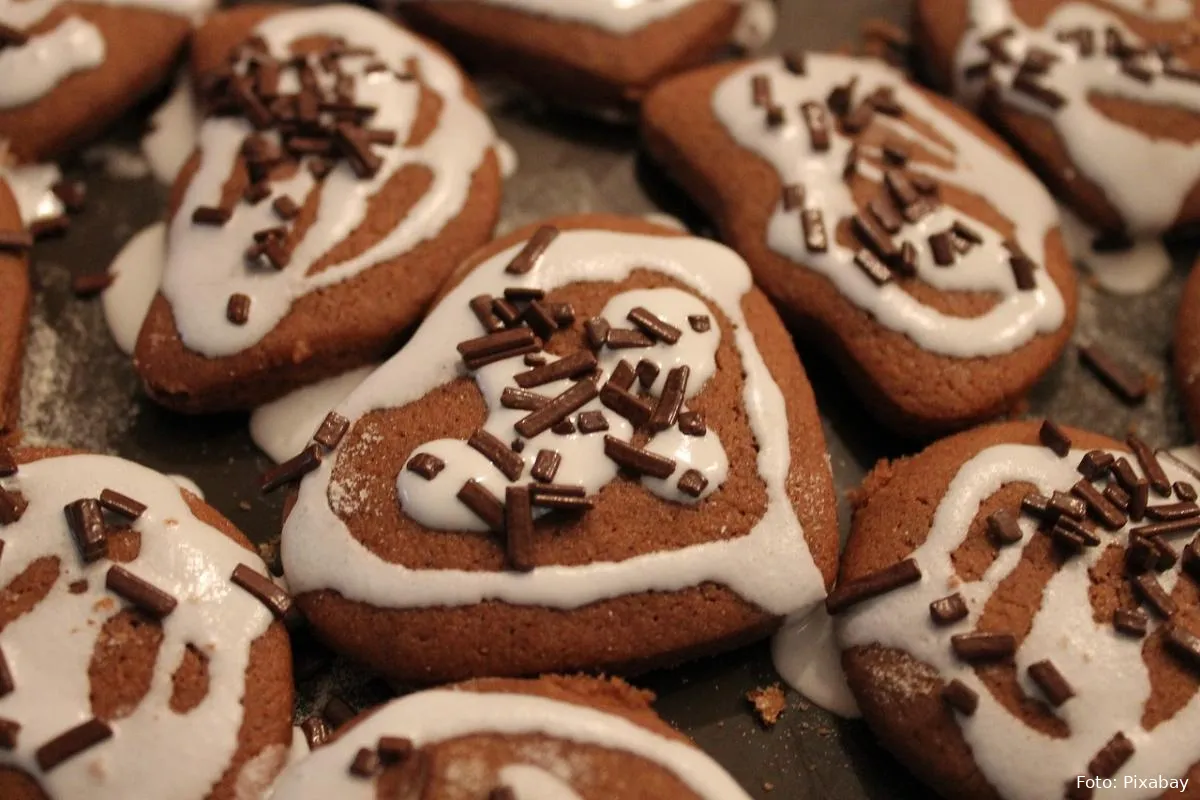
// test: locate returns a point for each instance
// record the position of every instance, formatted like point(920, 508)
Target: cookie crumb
point(768, 786)
point(769, 703)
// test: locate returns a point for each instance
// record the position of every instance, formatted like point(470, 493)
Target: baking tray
point(80, 390)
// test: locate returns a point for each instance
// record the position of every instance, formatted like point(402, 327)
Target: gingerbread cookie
point(560, 737)
point(1019, 612)
point(1186, 354)
point(894, 229)
point(1097, 96)
point(343, 170)
point(598, 452)
point(69, 68)
point(15, 242)
point(602, 54)
point(142, 652)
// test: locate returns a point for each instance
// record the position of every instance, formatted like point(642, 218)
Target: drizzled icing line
point(978, 167)
point(205, 264)
point(613, 16)
point(24, 14)
point(1115, 157)
point(441, 715)
point(770, 566)
point(50, 647)
point(1105, 669)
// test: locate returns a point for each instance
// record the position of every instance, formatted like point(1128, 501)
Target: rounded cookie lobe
point(81, 65)
point(490, 516)
point(1186, 353)
point(1014, 620)
point(890, 226)
point(14, 309)
point(328, 199)
point(126, 641)
point(603, 55)
point(1096, 95)
point(565, 737)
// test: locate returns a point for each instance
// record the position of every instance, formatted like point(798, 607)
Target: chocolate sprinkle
point(483, 503)
point(1183, 490)
point(496, 346)
point(653, 326)
point(8, 462)
point(501, 455)
point(1111, 757)
point(700, 323)
point(974, 647)
point(1052, 683)
point(960, 697)
point(1054, 437)
point(1151, 591)
point(1174, 526)
point(210, 215)
point(365, 763)
point(948, 610)
point(1172, 511)
point(632, 408)
point(86, 523)
point(145, 596)
point(597, 329)
point(647, 373)
point(872, 267)
point(578, 363)
point(518, 528)
point(426, 465)
point(502, 793)
point(849, 593)
point(8, 734)
point(815, 237)
point(481, 307)
point(1131, 622)
point(591, 422)
point(237, 310)
point(692, 483)
point(12, 506)
point(1065, 505)
point(71, 743)
point(6, 679)
point(394, 749)
point(559, 502)
point(337, 711)
point(691, 423)
point(545, 465)
point(91, 284)
point(625, 338)
point(793, 196)
point(671, 400)
point(557, 409)
point(1183, 643)
point(333, 428)
point(942, 247)
point(532, 251)
point(291, 470)
point(638, 460)
point(1150, 466)
point(1099, 506)
point(522, 399)
point(267, 592)
point(1003, 528)
point(622, 375)
point(316, 731)
point(1096, 464)
point(120, 504)
point(817, 122)
point(1130, 386)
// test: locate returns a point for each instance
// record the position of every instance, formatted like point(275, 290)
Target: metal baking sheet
point(79, 390)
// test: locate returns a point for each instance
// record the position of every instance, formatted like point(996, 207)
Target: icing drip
point(136, 271)
point(49, 648)
point(206, 264)
point(1140, 268)
point(283, 427)
point(32, 69)
point(807, 656)
point(441, 715)
point(172, 135)
point(432, 502)
point(1115, 157)
point(770, 566)
point(613, 16)
point(33, 187)
point(1105, 669)
point(1017, 317)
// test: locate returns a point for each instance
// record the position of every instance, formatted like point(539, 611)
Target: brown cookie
point(307, 247)
point(131, 634)
point(1096, 95)
point(14, 309)
point(892, 228)
point(1018, 610)
point(456, 530)
point(598, 55)
point(502, 738)
point(1186, 354)
point(70, 68)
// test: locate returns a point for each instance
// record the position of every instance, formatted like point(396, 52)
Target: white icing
point(534, 783)
point(442, 714)
point(1134, 271)
point(664, 219)
point(205, 264)
point(283, 427)
point(300, 747)
point(614, 16)
point(433, 503)
point(1016, 318)
point(807, 656)
point(137, 272)
point(1164, 10)
point(172, 135)
point(49, 648)
point(33, 187)
point(184, 482)
point(119, 161)
point(1115, 157)
point(25, 14)
point(31, 70)
point(1104, 668)
point(507, 155)
point(1189, 455)
point(756, 25)
point(770, 566)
